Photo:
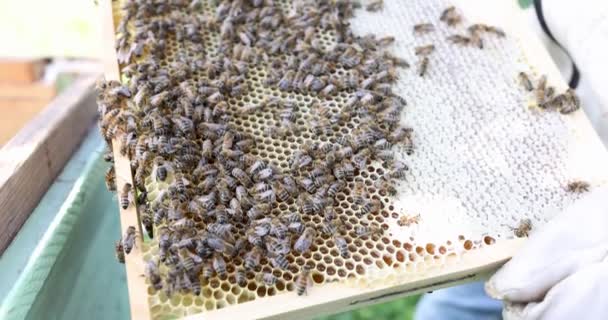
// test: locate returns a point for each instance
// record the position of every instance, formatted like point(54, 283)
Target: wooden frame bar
point(31, 160)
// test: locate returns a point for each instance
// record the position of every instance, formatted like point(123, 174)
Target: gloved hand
point(562, 270)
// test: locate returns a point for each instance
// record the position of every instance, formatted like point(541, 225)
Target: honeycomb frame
point(431, 271)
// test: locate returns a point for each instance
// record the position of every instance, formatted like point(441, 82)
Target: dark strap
point(574, 80)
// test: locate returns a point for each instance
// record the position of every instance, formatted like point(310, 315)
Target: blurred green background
point(402, 309)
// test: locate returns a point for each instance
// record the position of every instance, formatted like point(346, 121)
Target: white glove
point(562, 270)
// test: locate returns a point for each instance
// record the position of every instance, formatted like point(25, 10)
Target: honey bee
point(423, 66)
point(208, 270)
point(578, 186)
point(147, 219)
point(423, 28)
point(305, 240)
point(459, 39)
point(424, 50)
point(157, 99)
point(398, 170)
point(370, 206)
point(407, 220)
point(241, 277)
point(335, 188)
point(128, 240)
point(119, 251)
point(110, 179)
point(219, 265)
point(450, 16)
point(525, 81)
point(540, 90)
point(126, 195)
point(341, 245)
point(364, 230)
point(375, 5)
point(258, 210)
point(573, 102)
point(303, 280)
point(280, 262)
point(523, 228)
point(330, 228)
point(243, 177)
point(495, 30)
point(195, 284)
point(252, 258)
point(268, 278)
point(286, 82)
point(359, 192)
point(277, 228)
point(153, 275)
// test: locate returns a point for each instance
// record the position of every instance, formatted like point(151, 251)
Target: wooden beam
point(35, 90)
point(20, 71)
point(134, 262)
point(31, 160)
point(330, 298)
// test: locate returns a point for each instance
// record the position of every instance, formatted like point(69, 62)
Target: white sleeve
point(581, 27)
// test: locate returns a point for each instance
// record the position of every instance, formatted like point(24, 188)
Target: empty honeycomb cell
point(318, 278)
point(151, 291)
point(400, 256)
point(413, 257)
point(488, 240)
point(271, 292)
point(338, 262)
point(349, 265)
point(430, 248)
point(162, 297)
point(408, 246)
point(187, 301)
point(468, 244)
point(218, 294)
point(261, 292)
point(342, 273)
point(290, 286)
point(175, 300)
point(388, 259)
point(242, 298)
point(287, 276)
point(209, 305)
point(156, 309)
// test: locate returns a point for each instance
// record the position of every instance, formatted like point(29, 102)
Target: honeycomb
point(442, 194)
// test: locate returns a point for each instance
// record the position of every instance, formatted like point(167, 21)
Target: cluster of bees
point(546, 96)
point(451, 17)
point(175, 124)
